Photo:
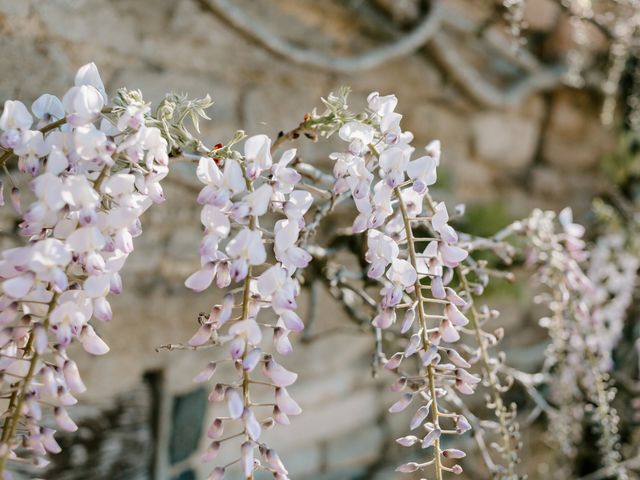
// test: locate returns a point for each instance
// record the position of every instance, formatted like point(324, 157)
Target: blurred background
point(521, 94)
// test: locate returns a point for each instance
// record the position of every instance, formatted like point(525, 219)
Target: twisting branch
point(233, 15)
point(485, 93)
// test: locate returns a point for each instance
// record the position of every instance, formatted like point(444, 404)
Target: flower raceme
point(391, 194)
point(578, 379)
point(95, 168)
point(235, 199)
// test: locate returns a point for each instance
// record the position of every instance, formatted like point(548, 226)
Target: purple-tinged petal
point(211, 452)
point(408, 319)
point(217, 393)
point(251, 425)
point(455, 316)
point(401, 404)
point(251, 360)
point(201, 279)
point(431, 437)
point(453, 453)
point(292, 321)
point(206, 374)
point(280, 376)
point(414, 344)
point(72, 377)
point(246, 456)
point(448, 331)
point(64, 420)
point(285, 403)
point(419, 416)
point(202, 336)
point(91, 342)
point(409, 467)
point(385, 318)
point(407, 441)
point(216, 429)
point(457, 359)
point(234, 403)
point(395, 361)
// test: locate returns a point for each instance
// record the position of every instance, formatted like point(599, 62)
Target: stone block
point(575, 138)
point(356, 449)
point(504, 141)
point(325, 389)
point(94, 20)
point(328, 421)
point(35, 67)
point(472, 181)
point(541, 15)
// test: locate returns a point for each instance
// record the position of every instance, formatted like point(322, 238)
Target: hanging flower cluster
point(574, 360)
point(390, 191)
point(613, 271)
point(94, 169)
point(239, 190)
point(474, 278)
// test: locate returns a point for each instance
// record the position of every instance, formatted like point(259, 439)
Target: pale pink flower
point(15, 116)
point(83, 105)
point(257, 152)
point(88, 75)
point(48, 108)
point(285, 176)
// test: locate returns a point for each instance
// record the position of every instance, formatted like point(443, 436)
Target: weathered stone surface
point(541, 15)
point(303, 462)
point(429, 121)
point(98, 21)
point(357, 448)
point(15, 9)
point(40, 66)
point(272, 108)
point(324, 389)
point(472, 181)
point(504, 141)
point(549, 186)
point(573, 140)
point(328, 421)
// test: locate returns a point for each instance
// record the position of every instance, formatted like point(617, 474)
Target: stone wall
point(543, 151)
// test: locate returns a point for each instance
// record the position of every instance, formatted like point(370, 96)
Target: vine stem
point(306, 128)
point(493, 381)
point(435, 414)
point(246, 294)
point(18, 396)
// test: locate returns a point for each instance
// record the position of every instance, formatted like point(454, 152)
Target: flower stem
point(246, 294)
point(18, 396)
point(423, 324)
point(499, 408)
